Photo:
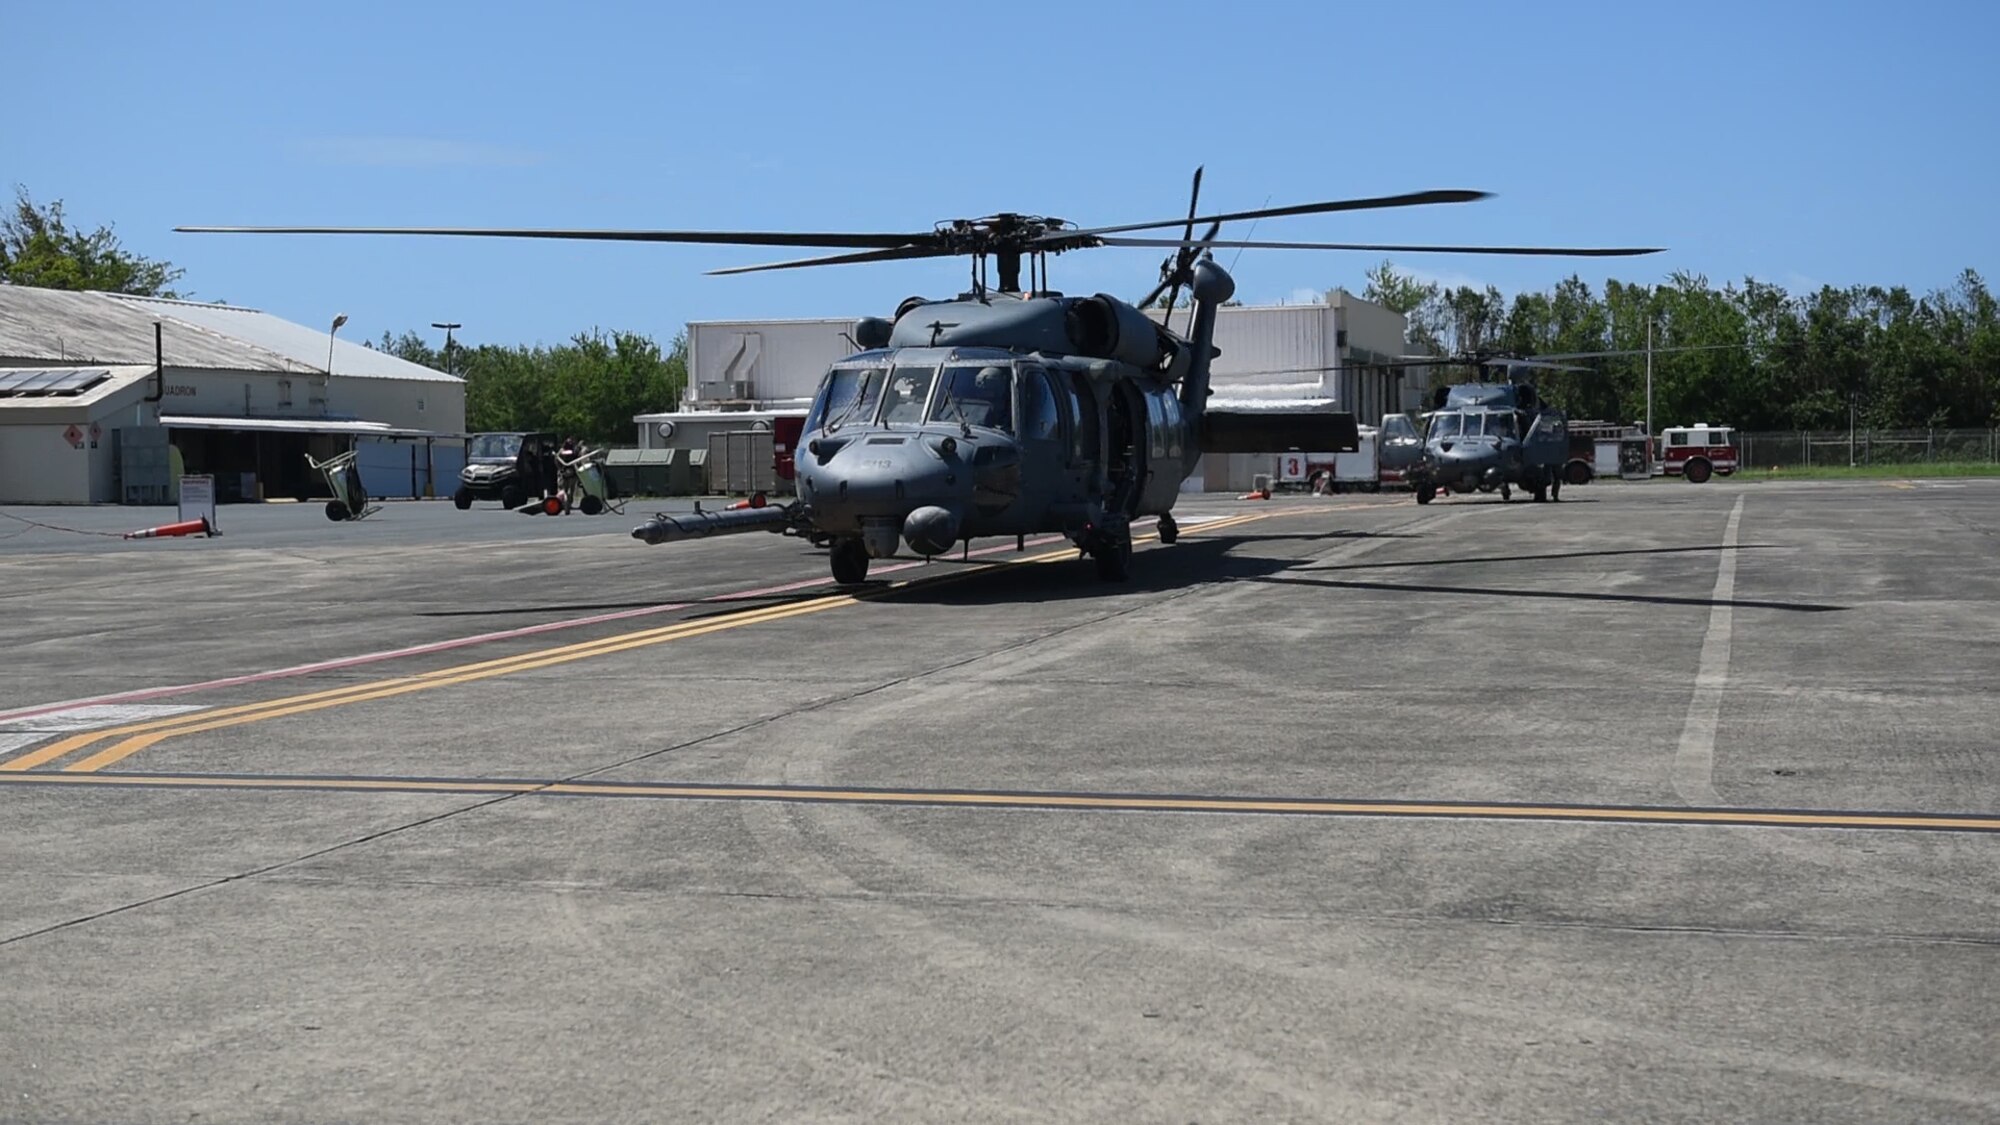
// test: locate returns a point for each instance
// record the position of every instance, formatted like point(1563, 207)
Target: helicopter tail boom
point(1229, 431)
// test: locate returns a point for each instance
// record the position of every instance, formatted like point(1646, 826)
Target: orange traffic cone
point(1256, 494)
point(185, 527)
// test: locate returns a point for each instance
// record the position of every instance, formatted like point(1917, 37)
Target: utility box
point(144, 466)
point(742, 461)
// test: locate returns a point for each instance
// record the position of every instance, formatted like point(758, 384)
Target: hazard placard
point(198, 499)
point(73, 436)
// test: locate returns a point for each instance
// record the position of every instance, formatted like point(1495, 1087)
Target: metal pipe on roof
point(159, 364)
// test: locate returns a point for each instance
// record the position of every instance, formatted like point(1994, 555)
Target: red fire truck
point(1697, 451)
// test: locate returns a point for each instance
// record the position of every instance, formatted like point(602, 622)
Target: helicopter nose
point(890, 488)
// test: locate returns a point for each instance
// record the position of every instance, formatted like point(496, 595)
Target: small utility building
point(106, 398)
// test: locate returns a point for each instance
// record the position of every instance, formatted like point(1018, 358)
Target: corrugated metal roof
point(60, 326)
point(295, 342)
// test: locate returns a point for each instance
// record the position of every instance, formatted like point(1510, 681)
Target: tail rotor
point(1177, 270)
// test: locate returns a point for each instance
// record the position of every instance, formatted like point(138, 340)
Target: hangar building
point(1327, 355)
point(86, 416)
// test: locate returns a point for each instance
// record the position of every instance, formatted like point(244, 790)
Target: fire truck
point(1607, 449)
point(1698, 451)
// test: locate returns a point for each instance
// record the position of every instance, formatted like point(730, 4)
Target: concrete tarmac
point(1663, 803)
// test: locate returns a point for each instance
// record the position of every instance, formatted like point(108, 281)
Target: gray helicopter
point(1012, 410)
point(1492, 435)
point(1498, 433)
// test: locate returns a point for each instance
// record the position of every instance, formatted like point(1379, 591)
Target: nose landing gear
point(849, 558)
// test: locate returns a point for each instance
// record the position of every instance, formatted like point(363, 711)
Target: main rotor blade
point(1412, 199)
point(892, 255)
point(1642, 351)
point(1551, 251)
point(718, 238)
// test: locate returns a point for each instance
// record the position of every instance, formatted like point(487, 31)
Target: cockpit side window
point(1039, 419)
point(976, 394)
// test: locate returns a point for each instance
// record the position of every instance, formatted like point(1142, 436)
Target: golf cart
point(511, 468)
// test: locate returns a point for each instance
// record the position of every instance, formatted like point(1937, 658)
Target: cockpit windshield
point(849, 393)
point(493, 447)
point(1397, 427)
point(977, 395)
point(909, 389)
point(1473, 423)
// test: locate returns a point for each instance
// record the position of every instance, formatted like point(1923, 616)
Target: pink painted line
point(140, 694)
point(344, 662)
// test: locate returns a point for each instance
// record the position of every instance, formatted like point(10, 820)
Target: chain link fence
point(1804, 449)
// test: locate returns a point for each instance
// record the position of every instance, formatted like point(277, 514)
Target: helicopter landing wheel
point(1169, 530)
point(850, 562)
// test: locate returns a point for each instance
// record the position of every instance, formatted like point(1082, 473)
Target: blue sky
point(1800, 143)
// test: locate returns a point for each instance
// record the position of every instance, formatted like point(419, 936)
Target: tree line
point(589, 387)
point(1771, 360)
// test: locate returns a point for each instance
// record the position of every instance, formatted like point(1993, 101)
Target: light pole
point(1649, 376)
point(447, 342)
point(337, 322)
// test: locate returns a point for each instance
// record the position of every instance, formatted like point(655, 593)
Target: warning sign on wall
point(73, 436)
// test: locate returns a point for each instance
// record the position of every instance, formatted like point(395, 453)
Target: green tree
point(589, 387)
point(39, 247)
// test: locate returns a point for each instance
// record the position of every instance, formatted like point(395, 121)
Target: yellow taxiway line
point(134, 737)
point(1048, 801)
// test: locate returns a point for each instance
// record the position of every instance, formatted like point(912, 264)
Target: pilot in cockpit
point(989, 402)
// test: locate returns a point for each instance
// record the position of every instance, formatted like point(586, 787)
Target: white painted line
point(72, 719)
point(1694, 762)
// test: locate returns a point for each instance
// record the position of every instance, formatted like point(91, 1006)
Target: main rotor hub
point(1002, 233)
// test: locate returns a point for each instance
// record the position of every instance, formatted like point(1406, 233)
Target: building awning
point(356, 427)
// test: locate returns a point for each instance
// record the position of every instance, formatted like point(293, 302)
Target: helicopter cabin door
point(1047, 420)
point(1125, 447)
point(1086, 433)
